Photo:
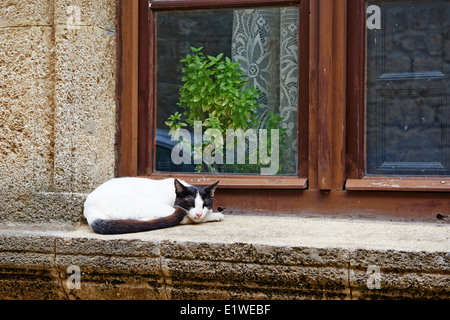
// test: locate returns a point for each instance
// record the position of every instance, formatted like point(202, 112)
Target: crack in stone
point(59, 272)
point(166, 280)
point(81, 26)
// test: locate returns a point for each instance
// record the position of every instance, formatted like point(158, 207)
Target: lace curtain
point(265, 42)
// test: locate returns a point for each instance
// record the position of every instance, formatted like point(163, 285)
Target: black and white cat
point(128, 205)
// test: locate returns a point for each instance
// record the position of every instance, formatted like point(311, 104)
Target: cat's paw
point(216, 216)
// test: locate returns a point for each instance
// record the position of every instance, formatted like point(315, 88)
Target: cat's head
point(197, 201)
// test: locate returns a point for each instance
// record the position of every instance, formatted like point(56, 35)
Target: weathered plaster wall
point(57, 106)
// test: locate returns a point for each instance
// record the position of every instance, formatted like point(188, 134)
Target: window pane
point(223, 77)
point(407, 111)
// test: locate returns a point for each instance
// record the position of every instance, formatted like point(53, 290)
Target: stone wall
point(57, 143)
point(35, 264)
point(57, 106)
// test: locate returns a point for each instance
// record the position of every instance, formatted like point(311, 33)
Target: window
point(238, 77)
point(222, 92)
point(402, 118)
point(362, 96)
point(408, 106)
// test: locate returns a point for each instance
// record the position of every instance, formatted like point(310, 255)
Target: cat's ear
point(211, 189)
point(179, 187)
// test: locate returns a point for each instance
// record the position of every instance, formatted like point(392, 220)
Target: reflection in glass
point(407, 100)
point(264, 42)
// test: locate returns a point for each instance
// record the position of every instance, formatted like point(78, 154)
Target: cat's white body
point(141, 199)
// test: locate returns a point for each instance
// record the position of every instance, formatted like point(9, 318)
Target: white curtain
point(265, 41)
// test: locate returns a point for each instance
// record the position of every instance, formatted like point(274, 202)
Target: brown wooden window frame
point(356, 154)
point(331, 120)
point(144, 157)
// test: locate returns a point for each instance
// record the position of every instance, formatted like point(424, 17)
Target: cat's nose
point(198, 214)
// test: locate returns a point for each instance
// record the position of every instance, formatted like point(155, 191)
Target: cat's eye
point(189, 198)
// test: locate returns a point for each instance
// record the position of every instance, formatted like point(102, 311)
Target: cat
point(129, 205)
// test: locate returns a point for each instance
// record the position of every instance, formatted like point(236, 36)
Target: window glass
point(227, 90)
point(407, 100)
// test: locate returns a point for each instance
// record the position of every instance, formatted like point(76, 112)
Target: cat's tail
point(131, 226)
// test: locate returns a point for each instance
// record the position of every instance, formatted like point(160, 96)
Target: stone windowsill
point(242, 257)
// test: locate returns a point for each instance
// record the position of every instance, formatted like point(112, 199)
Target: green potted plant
point(216, 94)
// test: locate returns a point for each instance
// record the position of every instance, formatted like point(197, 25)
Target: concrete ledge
point(244, 257)
point(42, 207)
